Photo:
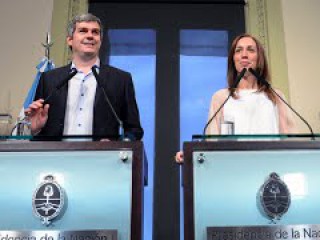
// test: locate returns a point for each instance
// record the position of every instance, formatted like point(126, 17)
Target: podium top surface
point(257, 137)
point(64, 143)
point(251, 142)
point(23, 144)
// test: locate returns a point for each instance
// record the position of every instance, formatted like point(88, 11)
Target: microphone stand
point(24, 121)
point(61, 84)
point(94, 71)
point(236, 82)
point(262, 80)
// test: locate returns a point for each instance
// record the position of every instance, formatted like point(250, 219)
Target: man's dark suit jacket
point(119, 88)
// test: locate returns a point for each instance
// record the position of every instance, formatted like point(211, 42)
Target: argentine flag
point(44, 66)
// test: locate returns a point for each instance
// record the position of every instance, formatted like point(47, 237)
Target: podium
point(101, 183)
point(222, 182)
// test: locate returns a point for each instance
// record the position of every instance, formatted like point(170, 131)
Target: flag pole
point(47, 45)
point(45, 65)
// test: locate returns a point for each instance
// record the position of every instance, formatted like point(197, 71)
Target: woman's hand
point(179, 157)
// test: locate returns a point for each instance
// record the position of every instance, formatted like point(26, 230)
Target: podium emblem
point(275, 197)
point(48, 200)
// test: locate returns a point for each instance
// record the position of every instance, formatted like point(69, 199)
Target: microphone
point(98, 79)
point(265, 82)
point(61, 84)
point(232, 89)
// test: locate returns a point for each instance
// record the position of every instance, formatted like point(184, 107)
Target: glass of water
point(24, 127)
point(227, 125)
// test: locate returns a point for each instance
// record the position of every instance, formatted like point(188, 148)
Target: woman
point(252, 107)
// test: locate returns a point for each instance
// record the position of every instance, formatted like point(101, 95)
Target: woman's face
point(245, 54)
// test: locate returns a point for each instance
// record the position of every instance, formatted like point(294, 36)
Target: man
point(80, 107)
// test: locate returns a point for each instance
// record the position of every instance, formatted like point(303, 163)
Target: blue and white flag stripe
point(44, 66)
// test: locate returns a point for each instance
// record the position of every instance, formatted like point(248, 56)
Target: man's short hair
point(87, 17)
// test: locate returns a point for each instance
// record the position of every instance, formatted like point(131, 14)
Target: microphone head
point(238, 78)
point(73, 70)
point(94, 71)
point(243, 71)
point(253, 72)
point(95, 74)
point(94, 68)
point(72, 73)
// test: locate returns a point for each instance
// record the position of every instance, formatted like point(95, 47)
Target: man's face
point(86, 39)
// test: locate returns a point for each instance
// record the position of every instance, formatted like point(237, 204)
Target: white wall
point(23, 27)
point(302, 41)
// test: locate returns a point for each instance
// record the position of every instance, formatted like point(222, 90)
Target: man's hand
point(37, 114)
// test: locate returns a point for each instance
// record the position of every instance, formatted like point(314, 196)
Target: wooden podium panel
point(222, 179)
point(103, 184)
